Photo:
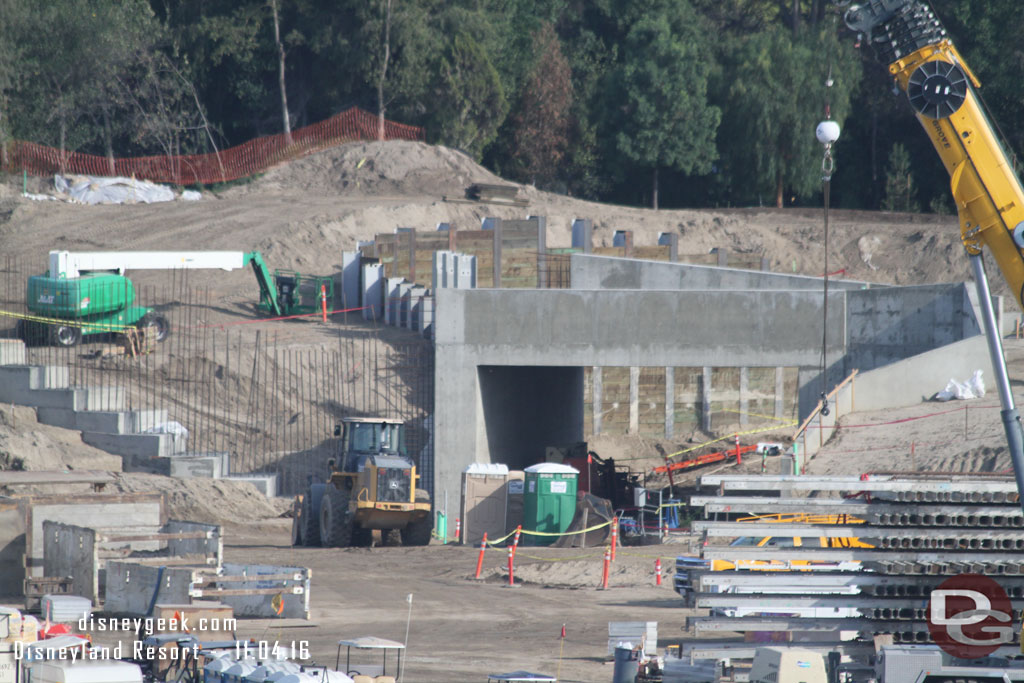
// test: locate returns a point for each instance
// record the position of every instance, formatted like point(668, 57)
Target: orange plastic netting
point(244, 160)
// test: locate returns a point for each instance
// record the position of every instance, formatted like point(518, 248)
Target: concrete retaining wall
point(604, 272)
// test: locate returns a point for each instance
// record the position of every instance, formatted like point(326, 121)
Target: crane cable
point(827, 166)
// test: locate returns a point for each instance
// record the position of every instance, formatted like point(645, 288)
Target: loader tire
point(336, 524)
point(309, 516)
point(418, 532)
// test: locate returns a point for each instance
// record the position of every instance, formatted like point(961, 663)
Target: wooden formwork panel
point(699, 259)
point(651, 402)
point(519, 268)
point(609, 251)
point(653, 253)
point(615, 400)
point(725, 399)
point(760, 397)
point(687, 398)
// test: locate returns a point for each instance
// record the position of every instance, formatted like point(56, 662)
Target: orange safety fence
point(244, 160)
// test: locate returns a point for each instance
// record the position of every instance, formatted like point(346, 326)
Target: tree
point(385, 58)
point(899, 183)
point(471, 100)
point(542, 124)
point(777, 93)
point(281, 52)
point(658, 113)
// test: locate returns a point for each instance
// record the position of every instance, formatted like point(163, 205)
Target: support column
point(598, 398)
point(705, 400)
point(542, 251)
point(744, 396)
point(497, 253)
point(634, 400)
point(670, 402)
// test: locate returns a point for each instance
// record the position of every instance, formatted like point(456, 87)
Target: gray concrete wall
point(887, 325)
point(627, 328)
point(140, 513)
point(498, 348)
point(915, 379)
point(609, 272)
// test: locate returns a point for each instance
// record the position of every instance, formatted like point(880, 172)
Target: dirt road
point(461, 629)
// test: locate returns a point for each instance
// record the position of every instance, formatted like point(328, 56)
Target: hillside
point(304, 214)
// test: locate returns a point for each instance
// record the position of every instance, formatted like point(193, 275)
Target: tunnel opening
point(528, 408)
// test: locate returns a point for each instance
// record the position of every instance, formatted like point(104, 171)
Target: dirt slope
point(304, 214)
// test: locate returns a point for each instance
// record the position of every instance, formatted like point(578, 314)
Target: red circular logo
point(970, 616)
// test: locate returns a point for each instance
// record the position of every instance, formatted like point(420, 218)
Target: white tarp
point(972, 388)
point(96, 190)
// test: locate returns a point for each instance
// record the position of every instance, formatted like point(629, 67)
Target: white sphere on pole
point(827, 132)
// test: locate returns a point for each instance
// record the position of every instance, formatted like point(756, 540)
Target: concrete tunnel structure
point(509, 363)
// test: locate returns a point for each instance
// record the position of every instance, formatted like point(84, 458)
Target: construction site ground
point(304, 215)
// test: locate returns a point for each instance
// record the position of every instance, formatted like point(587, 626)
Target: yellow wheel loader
point(373, 488)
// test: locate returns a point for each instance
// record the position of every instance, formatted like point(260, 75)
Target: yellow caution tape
point(64, 322)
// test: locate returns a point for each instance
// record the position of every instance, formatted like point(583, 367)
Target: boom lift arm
point(989, 198)
point(67, 264)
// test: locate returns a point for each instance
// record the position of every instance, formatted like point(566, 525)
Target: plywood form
point(687, 395)
point(725, 399)
point(614, 400)
point(651, 402)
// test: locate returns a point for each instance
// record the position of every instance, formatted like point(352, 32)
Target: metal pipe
point(1009, 414)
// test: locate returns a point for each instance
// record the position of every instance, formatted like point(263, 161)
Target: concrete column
point(595, 378)
point(634, 400)
point(350, 261)
point(723, 258)
point(583, 235)
point(705, 400)
point(670, 240)
point(373, 291)
point(670, 402)
point(744, 396)
point(412, 255)
point(542, 251)
point(780, 396)
point(497, 253)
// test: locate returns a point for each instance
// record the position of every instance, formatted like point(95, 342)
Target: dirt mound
point(214, 501)
point(27, 444)
point(377, 168)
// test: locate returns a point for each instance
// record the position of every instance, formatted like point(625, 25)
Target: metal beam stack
point(823, 588)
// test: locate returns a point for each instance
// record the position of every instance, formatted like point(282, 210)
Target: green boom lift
point(87, 293)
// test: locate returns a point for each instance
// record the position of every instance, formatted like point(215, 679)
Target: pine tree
point(899, 182)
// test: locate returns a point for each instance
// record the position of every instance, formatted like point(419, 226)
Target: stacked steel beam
point(923, 529)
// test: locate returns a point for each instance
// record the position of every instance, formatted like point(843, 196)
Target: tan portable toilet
point(484, 506)
point(516, 486)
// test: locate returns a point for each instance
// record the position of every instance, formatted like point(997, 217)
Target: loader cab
point(362, 438)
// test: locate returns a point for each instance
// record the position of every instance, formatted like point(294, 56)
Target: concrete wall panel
point(604, 272)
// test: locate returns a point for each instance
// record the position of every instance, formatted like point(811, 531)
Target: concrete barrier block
point(109, 421)
point(16, 381)
point(136, 445)
point(266, 483)
point(196, 466)
point(12, 352)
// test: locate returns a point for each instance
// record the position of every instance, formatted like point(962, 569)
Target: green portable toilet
point(549, 501)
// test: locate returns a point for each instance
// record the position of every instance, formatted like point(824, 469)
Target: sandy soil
point(461, 629)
